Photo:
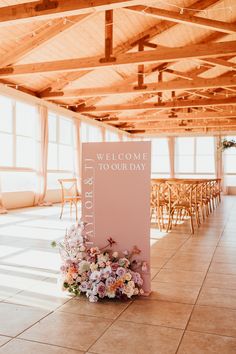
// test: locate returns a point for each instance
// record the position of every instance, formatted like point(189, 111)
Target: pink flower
point(101, 289)
point(144, 267)
point(114, 266)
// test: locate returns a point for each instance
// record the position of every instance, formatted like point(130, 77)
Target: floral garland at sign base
point(98, 272)
point(227, 144)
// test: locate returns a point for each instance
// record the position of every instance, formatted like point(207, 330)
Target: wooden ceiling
point(146, 67)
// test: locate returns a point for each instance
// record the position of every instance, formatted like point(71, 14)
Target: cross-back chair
point(69, 194)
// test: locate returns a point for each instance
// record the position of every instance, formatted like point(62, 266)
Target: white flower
point(115, 254)
point(128, 276)
point(93, 266)
point(96, 275)
point(84, 266)
point(128, 290)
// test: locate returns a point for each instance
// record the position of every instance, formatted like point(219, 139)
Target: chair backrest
point(68, 188)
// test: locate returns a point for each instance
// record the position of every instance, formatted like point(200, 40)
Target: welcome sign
point(116, 196)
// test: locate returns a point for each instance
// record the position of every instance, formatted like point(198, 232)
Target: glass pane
point(52, 127)
point(25, 119)
point(25, 152)
point(52, 156)
point(230, 181)
point(94, 134)
point(83, 132)
point(17, 181)
point(5, 114)
point(184, 164)
point(111, 136)
point(230, 164)
point(160, 164)
point(6, 149)
point(52, 179)
point(205, 145)
point(160, 146)
point(65, 129)
point(65, 158)
point(205, 164)
point(184, 146)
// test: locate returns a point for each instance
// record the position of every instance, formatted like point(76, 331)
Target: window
point(160, 157)
point(194, 156)
point(112, 135)
point(229, 156)
point(61, 149)
point(18, 145)
point(90, 133)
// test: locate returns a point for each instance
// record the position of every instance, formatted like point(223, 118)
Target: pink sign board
point(116, 196)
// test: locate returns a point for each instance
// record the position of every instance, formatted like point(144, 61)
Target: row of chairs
point(174, 200)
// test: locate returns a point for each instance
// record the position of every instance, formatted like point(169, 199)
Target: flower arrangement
point(226, 144)
point(98, 272)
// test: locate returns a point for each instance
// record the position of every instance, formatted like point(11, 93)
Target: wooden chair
point(69, 194)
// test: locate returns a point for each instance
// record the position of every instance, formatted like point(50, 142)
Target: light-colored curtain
point(42, 159)
point(219, 163)
point(78, 155)
point(171, 146)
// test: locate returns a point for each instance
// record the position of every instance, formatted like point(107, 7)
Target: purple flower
point(83, 287)
point(120, 272)
point(137, 278)
point(110, 281)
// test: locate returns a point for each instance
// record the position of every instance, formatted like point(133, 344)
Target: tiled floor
point(192, 308)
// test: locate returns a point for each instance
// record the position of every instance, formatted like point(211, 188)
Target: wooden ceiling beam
point(31, 11)
point(167, 105)
point(26, 46)
point(180, 116)
point(185, 18)
point(150, 33)
point(161, 55)
point(176, 127)
point(220, 62)
point(199, 83)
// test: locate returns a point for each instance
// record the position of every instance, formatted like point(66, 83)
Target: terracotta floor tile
point(190, 257)
point(223, 268)
point(225, 258)
point(162, 252)
point(213, 320)
point(158, 261)
point(18, 346)
point(16, 318)
point(132, 338)
point(172, 244)
point(161, 313)
point(218, 297)
point(46, 295)
point(224, 281)
point(67, 330)
point(154, 272)
point(4, 339)
point(180, 276)
point(109, 309)
point(187, 265)
point(200, 343)
point(175, 292)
